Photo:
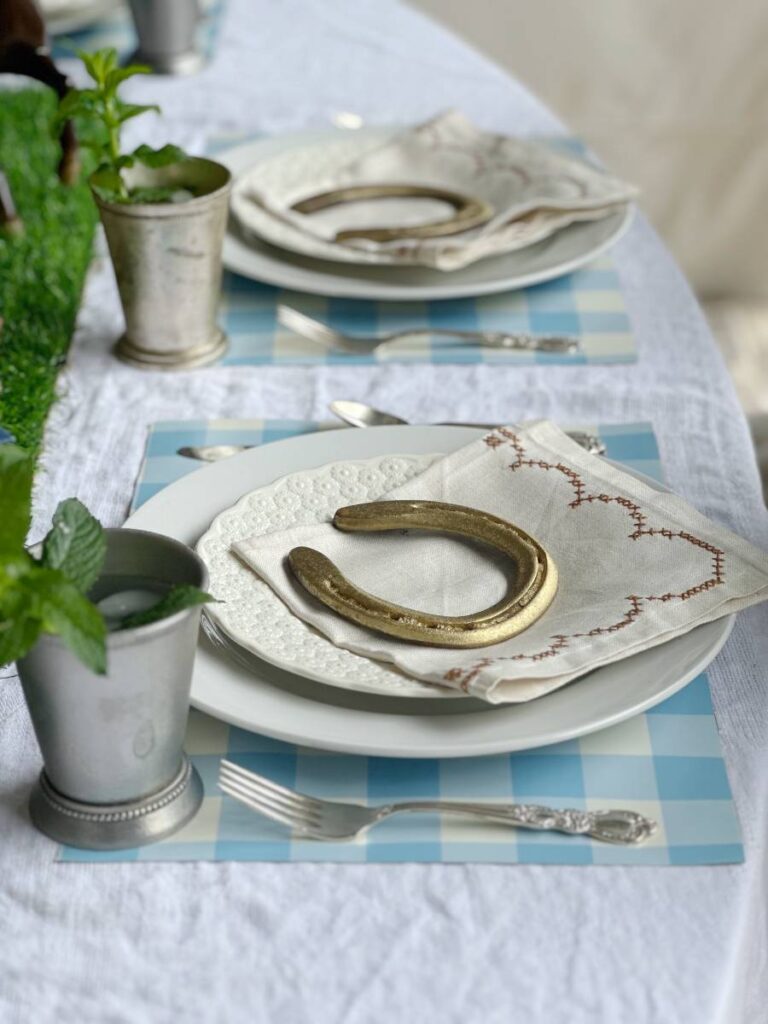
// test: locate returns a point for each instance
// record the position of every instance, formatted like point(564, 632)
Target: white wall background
point(672, 94)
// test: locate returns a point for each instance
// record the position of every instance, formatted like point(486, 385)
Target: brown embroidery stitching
point(559, 642)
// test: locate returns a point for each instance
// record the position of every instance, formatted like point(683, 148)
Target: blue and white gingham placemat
point(665, 763)
point(588, 303)
point(116, 29)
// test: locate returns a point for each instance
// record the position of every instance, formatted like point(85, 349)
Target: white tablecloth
point(422, 943)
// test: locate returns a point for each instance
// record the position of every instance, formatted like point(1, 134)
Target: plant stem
point(113, 142)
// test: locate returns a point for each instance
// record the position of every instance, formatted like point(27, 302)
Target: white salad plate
point(255, 695)
point(253, 616)
point(249, 254)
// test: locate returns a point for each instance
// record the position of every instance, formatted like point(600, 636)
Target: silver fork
point(358, 344)
point(329, 819)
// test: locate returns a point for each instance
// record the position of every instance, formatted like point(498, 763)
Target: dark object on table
point(23, 51)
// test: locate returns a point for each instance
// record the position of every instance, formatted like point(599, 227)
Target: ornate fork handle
point(614, 826)
point(494, 339)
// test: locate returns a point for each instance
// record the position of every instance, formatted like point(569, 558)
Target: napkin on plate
point(533, 189)
point(637, 567)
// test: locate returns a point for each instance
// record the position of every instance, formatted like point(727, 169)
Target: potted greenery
point(103, 625)
point(164, 215)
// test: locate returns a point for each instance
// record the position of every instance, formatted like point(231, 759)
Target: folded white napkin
point(533, 189)
point(637, 567)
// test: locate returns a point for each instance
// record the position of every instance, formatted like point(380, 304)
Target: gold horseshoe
point(533, 593)
point(470, 213)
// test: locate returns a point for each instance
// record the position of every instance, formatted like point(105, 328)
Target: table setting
point(415, 560)
point(473, 294)
point(687, 793)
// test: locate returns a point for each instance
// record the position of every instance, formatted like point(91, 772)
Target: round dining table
point(346, 944)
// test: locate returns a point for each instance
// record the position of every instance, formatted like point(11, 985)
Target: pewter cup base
point(117, 826)
point(142, 358)
point(188, 63)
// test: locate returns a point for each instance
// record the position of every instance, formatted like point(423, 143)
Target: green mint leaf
point(12, 568)
point(159, 157)
point(17, 638)
point(16, 470)
point(108, 185)
point(99, 64)
point(20, 623)
point(95, 145)
point(125, 111)
point(111, 61)
point(117, 76)
point(69, 105)
point(76, 544)
point(69, 614)
point(83, 104)
point(38, 599)
point(176, 600)
point(94, 64)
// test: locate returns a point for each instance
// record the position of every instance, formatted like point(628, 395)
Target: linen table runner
point(665, 763)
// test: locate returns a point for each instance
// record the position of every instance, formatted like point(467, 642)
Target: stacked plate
point(265, 246)
point(261, 668)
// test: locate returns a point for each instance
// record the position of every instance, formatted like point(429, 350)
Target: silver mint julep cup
point(167, 261)
point(167, 31)
point(115, 774)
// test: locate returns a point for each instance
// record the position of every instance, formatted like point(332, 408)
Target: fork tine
point(236, 789)
point(262, 782)
point(291, 804)
point(256, 802)
point(320, 333)
point(267, 812)
point(254, 779)
point(296, 811)
point(303, 324)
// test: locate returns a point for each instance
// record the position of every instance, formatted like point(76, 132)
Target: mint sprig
point(102, 114)
point(177, 600)
point(15, 499)
point(64, 611)
point(49, 594)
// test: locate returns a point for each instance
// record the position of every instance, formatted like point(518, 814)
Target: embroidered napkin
point(533, 190)
point(637, 567)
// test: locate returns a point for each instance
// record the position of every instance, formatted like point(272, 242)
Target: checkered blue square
point(587, 303)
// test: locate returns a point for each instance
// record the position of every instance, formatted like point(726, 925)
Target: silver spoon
point(212, 452)
point(358, 414)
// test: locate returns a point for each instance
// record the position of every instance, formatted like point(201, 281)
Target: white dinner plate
point(263, 698)
point(300, 170)
point(560, 254)
point(254, 618)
